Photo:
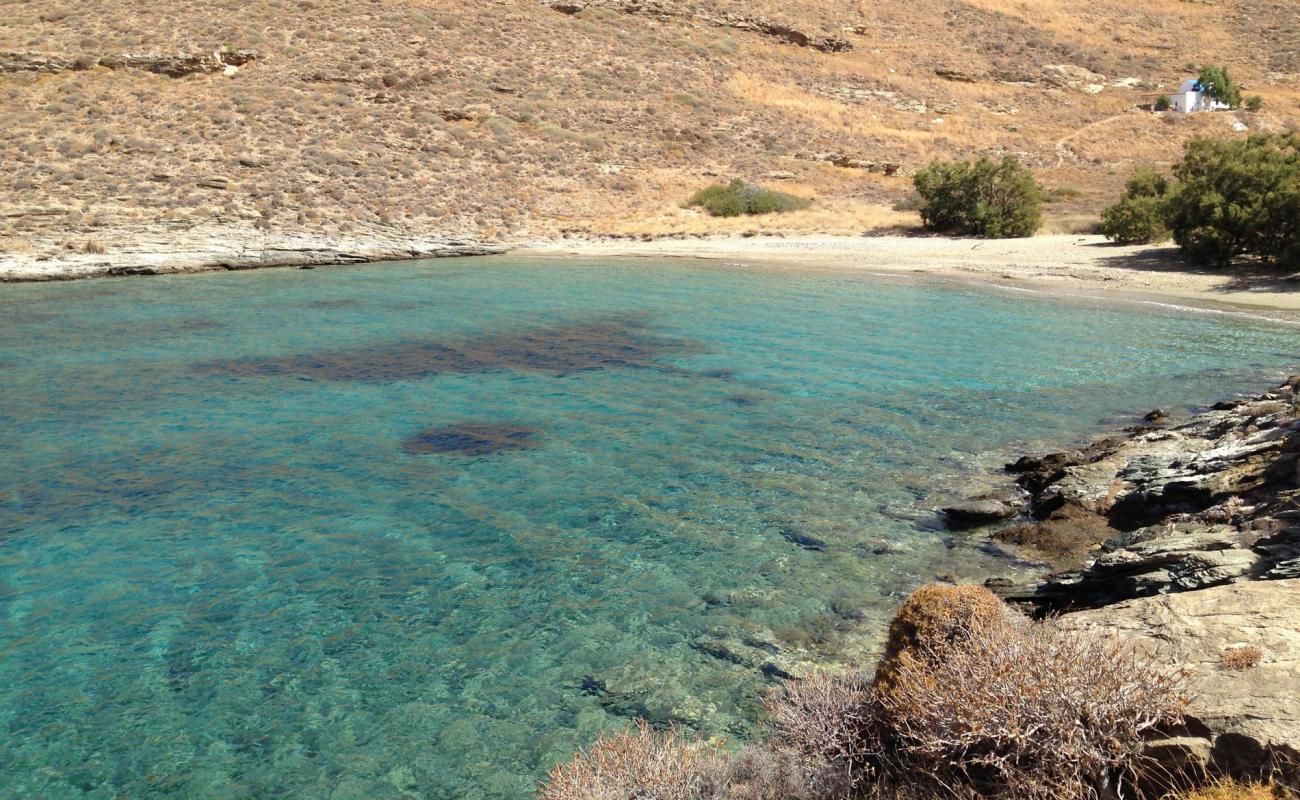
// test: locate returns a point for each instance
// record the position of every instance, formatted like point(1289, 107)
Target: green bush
point(1139, 216)
point(1237, 198)
point(1254, 103)
point(993, 199)
point(1162, 103)
point(1219, 85)
point(737, 198)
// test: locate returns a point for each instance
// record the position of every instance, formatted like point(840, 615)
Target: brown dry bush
point(635, 763)
point(934, 616)
point(1026, 710)
point(832, 723)
point(971, 699)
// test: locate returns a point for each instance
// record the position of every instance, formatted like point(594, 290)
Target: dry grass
point(1241, 658)
point(1233, 790)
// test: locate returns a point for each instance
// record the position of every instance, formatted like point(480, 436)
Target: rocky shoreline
point(1186, 539)
point(185, 249)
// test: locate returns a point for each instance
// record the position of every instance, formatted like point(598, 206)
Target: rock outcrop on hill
point(173, 66)
point(1192, 539)
point(661, 9)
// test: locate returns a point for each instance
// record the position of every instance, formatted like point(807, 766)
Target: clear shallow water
point(419, 530)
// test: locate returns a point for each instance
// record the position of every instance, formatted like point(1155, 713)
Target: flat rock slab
point(973, 513)
point(1246, 716)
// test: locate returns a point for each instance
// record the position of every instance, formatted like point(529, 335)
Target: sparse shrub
point(634, 764)
point(1139, 216)
point(1162, 103)
point(1239, 198)
point(912, 202)
point(831, 722)
point(726, 45)
point(1059, 193)
point(737, 198)
point(1254, 103)
point(760, 772)
point(987, 198)
point(1241, 658)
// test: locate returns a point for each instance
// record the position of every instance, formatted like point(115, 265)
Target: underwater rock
point(472, 439)
point(804, 540)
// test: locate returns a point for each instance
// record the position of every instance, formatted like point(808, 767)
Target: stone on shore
point(1242, 722)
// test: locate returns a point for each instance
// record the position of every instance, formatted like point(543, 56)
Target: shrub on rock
point(986, 198)
point(1024, 710)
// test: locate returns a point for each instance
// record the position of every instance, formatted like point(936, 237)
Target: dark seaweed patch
point(342, 302)
point(192, 326)
point(561, 350)
point(472, 439)
point(742, 400)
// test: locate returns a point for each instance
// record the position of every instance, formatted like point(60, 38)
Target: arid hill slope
point(514, 118)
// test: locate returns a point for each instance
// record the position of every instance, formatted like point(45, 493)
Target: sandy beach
point(1061, 264)
point(1075, 264)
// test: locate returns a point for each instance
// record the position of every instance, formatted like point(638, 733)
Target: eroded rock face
point(1245, 722)
point(753, 23)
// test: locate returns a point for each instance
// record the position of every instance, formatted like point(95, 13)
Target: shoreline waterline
point(1084, 265)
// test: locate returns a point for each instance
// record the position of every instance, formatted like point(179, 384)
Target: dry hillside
point(517, 118)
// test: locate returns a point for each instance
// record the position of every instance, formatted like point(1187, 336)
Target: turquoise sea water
point(418, 530)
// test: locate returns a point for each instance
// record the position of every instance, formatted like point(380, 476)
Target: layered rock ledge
point(1188, 534)
point(157, 251)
